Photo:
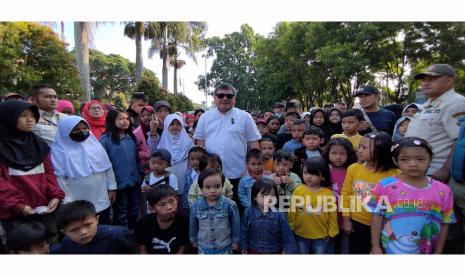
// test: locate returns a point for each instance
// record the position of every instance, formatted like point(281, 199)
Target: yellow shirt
point(195, 192)
point(357, 188)
point(355, 140)
point(313, 215)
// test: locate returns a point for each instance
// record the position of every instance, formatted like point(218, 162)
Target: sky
point(109, 39)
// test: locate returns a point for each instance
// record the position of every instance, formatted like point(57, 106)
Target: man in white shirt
point(226, 131)
point(438, 123)
point(45, 98)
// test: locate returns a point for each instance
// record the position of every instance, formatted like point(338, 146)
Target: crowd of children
point(315, 186)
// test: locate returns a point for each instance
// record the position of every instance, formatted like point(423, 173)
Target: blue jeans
point(341, 243)
point(126, 207)
point(311, 246)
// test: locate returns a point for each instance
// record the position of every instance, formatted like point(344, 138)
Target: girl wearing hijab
point(66, 107)
point(306, 117)
point(142, 133)
point(318, 118)
point(95, 115)
point(178, 143)
point(28, 186)
point(82, 166)
point(334, 121)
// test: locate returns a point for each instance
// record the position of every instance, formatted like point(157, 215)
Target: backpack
point(458, 157)
point(165, 180)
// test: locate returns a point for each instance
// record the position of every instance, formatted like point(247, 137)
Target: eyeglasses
point(221, 96)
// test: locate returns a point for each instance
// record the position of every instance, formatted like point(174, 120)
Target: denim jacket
point(123, 157)
point(187, 184)
point(266, 233)
point(244, 190)
point(214, 227)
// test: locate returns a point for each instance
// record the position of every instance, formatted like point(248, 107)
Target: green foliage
point(317, 62)
point(110, 74)
point(31, 54)
point(233, 64)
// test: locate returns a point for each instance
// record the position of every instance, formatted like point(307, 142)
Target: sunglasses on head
point(221, 96)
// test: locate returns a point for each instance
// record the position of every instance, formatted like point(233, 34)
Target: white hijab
point(178, 145)
point(77, 159)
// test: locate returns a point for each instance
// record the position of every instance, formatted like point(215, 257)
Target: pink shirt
point(412, 216)
point(337, 180)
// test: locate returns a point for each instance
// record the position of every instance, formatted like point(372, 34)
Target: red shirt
point(34, 188)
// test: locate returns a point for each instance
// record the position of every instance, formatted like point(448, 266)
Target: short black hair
point(74, 211)
point(263, 185)
point(314, 130)
point(27, 234)
point(269, 138)
point(318, 166)
point(159, 192)
point(35, 89)
point(381, 150)
point(225, 86)
point(139, 96)
point(207, 173)
point(298, 122)
point(268, 110)
point(271, 118)
point(197, 111)
point(352, 112)
point(293, 114)
point(197, 149)
point(253, 153)
point(410, 142)
point(347, 145)
point(281, 155)
point(209, 157)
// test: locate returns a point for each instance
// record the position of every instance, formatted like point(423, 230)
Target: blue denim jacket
point(291, 145)
point(187, 184)
point(123, 157)
point(266, 233)
point(214, 227)
point(244, 190)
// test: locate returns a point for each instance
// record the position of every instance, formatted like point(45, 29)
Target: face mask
point(278, 114)
point(80, 136)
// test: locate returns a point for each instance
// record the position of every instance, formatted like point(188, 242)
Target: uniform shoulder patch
point(388, 181)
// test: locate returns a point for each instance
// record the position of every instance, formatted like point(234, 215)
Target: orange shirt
point(269, 165)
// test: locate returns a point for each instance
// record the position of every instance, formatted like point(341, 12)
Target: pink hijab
point(62, 104)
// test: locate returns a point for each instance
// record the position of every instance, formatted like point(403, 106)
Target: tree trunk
point(139, 60)
point(175, 78)
point(81, 38)
point(165, 57)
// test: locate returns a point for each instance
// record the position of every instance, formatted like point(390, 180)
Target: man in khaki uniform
point(438, 124)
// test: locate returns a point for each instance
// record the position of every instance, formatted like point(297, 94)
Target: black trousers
point(360, 239)
point(235, 183)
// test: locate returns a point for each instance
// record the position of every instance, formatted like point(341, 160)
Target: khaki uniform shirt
point(46, 127)
point(438, 124)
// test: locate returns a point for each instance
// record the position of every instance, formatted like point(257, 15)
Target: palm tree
point(166, 35)
point(135, 30)
point(176, 63)
point(81, 40)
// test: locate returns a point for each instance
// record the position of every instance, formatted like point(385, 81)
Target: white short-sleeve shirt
point(438, 124)
point(227, 135)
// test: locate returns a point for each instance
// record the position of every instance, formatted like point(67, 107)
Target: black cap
point(162, 154)
point(367, 90)
point(276, 104)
